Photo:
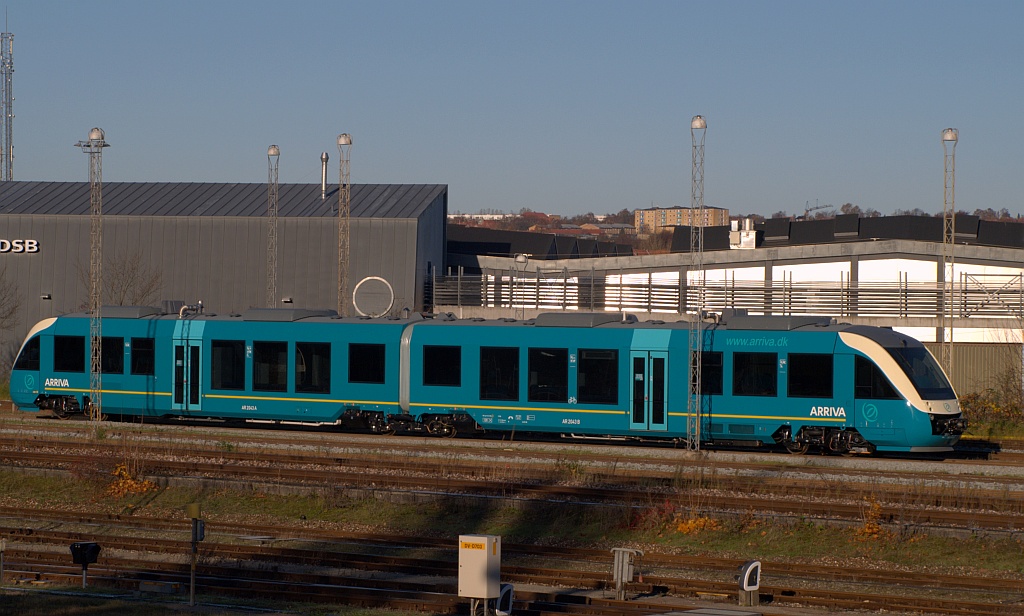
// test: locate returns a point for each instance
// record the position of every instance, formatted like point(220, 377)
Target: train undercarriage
point(826, 439)
point(62, 407)
point(378, 422)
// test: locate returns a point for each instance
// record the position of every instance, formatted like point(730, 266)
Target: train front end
point(27, 382)
point(904, 401)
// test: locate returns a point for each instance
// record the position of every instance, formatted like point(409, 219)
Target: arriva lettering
point(56, 383)
point(828, 411)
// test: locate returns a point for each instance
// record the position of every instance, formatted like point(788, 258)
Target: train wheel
point(796, 448)
point(440, 428)
point(60, 409)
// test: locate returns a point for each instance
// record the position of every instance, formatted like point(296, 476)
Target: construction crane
point(808, 209)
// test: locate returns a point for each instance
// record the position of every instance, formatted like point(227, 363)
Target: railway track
point(593, 558)
point(825, 488)
point(366, 570)
point(838, 494)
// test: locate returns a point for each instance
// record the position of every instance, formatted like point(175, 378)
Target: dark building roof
point(491, 242)
point(851, 228)
point(216, 199)
point(715, 238)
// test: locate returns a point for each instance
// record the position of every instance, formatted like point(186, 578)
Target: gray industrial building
point(208, 242)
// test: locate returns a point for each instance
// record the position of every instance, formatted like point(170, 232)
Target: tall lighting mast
point(698, 128)
point(94, 148)
point(950, 136)
point(7, 106)
point(344, 218)
point(273, 155)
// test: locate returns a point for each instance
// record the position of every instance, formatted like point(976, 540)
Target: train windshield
point(923, 371)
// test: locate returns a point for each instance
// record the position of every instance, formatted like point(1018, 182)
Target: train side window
point(313, 367)
point(754, 374)
point(499, 373)
point(112, 351)
point(598, 379)
point(227, 364)
point(710, 373)
point(810, 375)
point(270, 366)
point(870, 382)
point(366, 363)
point(549, 375)
point(69, 354)
point(442, 365)
point(29, 357)
point(143, 356)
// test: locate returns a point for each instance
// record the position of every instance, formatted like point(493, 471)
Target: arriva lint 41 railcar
point(796, 382)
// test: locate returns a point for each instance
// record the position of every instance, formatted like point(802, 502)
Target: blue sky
point(558, 106)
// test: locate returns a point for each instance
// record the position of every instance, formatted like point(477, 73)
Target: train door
point(187, 376)
point(649, 392)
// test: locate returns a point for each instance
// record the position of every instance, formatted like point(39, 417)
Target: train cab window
point(69, 354)
point(810, 375)
point(499, 373)
point(313, 367)
point(924, 372)
point(754, 374)
point(366, 363)
point(549, 375)
point(227, 364)
point(28, 359)
point(598, 379)
point(442, 365)
point(870, 382)
point(143, 356)
point(270, 366)
point(710, 373)
point(112, 351)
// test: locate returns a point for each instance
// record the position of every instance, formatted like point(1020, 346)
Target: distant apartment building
point(655, 219)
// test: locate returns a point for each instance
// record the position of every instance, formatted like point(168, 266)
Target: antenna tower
point(698, 128)
point(344, 218)
point(273, 155)
point(950, 136)
point(7, 104)
point(94, 148)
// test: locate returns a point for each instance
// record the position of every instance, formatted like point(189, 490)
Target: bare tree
point(10, 301)
point(127, 280)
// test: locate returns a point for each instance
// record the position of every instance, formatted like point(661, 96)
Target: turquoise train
point(792, 382)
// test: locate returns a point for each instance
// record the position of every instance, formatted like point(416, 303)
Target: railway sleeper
point(826, 439)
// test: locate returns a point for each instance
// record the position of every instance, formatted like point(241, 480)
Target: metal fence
point(994, 296)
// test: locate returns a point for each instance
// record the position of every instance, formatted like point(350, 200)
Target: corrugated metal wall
point(220, 260)
point(981, 366)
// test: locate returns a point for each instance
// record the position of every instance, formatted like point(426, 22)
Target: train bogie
point(800, 383)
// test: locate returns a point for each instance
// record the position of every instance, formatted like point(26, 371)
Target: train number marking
point(571, 422)
point(249, 407)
